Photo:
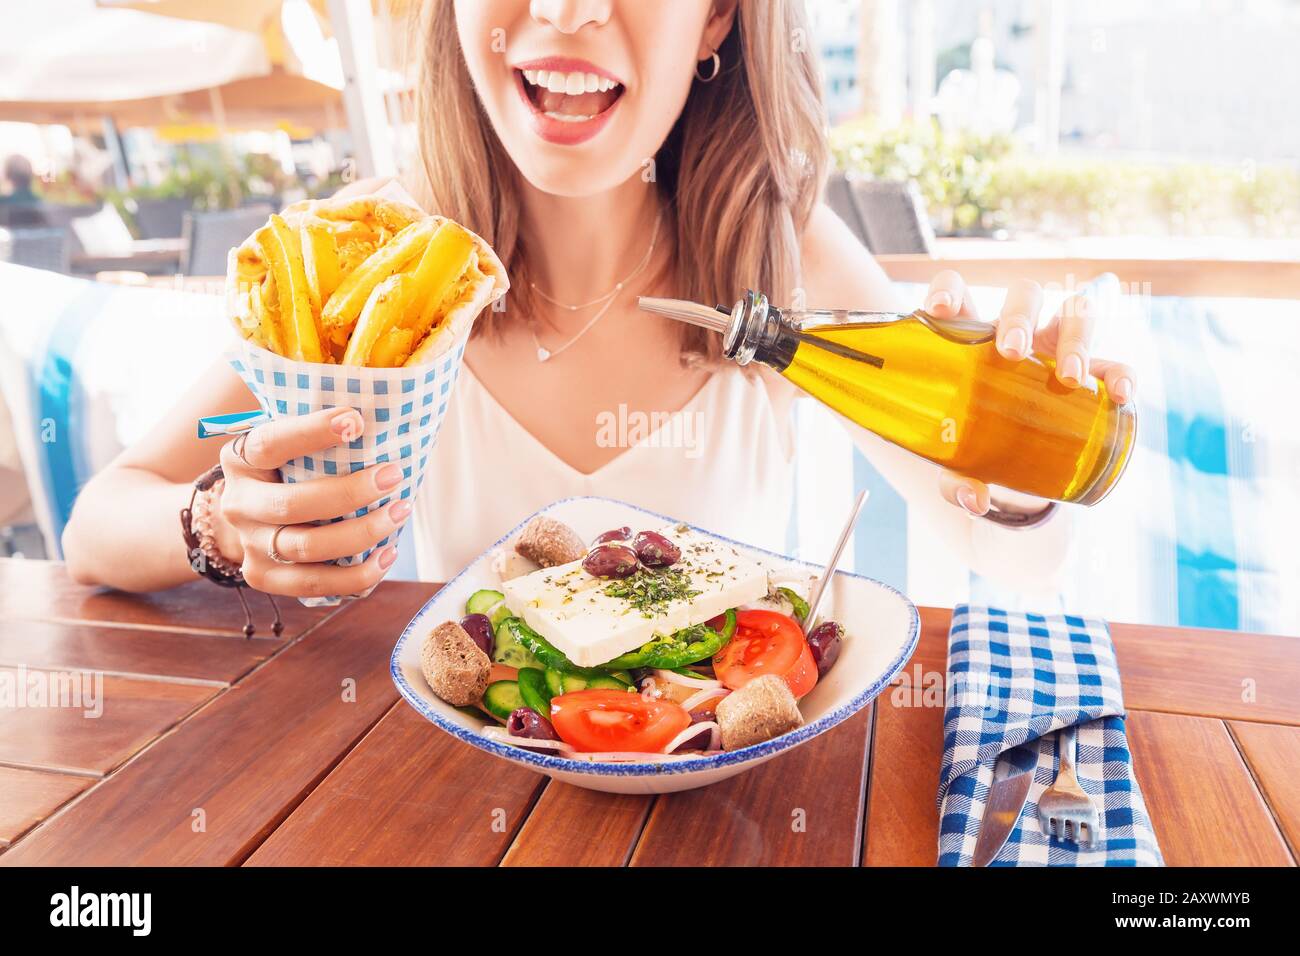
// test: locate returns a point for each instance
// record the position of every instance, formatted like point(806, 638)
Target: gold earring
point(717, 68)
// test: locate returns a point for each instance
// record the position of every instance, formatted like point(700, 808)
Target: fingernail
point(1015, 344)
point(1071, 370)
point(1123, 390)
point(386, 558)
point(940, 300)
point(347, 425)
point(388, 477)
point(398, 511)
point(967, 498)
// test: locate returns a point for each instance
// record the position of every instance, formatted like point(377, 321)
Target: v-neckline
point(585, 475)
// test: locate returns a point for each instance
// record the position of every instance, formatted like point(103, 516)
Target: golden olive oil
point(962, 405)
point(940, 389)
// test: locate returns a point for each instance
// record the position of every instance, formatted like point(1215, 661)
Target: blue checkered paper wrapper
point(402, 409)
point(1016, 679)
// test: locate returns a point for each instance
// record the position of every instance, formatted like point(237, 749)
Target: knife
point(1012, 776)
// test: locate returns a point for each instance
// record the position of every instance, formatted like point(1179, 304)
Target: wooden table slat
point(211, 791)
point(87, 722)
point(42, 590)
point(902, 818)
point(1273, 754)
point(803, 807)
point(1201, 672)
point(572, 826)
point(411, 795)
point(32, 795)
point(1203, 803)
point(128, 651)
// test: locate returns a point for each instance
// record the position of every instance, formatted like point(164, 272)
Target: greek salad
point(654, 645)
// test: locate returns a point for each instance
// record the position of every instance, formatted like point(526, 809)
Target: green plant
point(973, 183)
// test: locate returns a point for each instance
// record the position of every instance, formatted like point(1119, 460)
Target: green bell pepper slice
point(668, 651)
point(546, 653)
point(799, 604)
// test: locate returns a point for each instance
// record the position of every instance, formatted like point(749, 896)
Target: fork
point(1065, 811)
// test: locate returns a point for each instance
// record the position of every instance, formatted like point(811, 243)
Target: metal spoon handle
point(815, 600)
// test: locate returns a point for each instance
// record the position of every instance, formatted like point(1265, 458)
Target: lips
point(570, 101)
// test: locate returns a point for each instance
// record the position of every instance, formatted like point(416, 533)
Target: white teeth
point(570, 84)
point(566, 118)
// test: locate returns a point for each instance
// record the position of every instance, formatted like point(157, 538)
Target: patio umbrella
point(267, 100)
point(73, 51)
point(349, 52)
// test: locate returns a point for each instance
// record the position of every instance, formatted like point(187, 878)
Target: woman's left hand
point(1068, 336)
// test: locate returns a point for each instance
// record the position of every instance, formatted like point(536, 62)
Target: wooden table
point(215, 750)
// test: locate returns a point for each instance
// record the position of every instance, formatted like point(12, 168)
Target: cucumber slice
point(507, 650)
point(554, 681)
point(574, 682)
point(498, 614)
point(502, 698)
point(480, 602)
point(533, 689)
point(623, 677)
point(607, 682)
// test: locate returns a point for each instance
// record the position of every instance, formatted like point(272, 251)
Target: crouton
point(455, 667)
point(762, 709)
point(549, 542)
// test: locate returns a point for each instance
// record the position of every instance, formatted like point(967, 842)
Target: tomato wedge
point(595, 721)
point(767, 642)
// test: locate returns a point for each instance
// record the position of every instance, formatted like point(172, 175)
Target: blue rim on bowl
point(727, 758)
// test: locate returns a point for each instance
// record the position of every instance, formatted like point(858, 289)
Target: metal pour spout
point(692, 313)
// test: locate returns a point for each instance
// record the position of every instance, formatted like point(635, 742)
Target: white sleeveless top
point(724, 461)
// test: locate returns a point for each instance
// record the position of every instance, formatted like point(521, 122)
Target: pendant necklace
point(606, 301)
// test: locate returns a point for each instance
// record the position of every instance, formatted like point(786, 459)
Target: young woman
point(607, 149)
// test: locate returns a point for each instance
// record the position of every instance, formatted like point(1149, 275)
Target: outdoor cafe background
point(1001, 137)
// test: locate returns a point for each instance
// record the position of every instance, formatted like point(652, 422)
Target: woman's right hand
point(254, 503)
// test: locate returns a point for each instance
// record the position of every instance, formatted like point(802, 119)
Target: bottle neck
point(759, 332)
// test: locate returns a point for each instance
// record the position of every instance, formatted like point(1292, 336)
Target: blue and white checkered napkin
point(1016, 679)
point(402, 408)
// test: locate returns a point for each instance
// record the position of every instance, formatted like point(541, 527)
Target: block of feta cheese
point(593, 620)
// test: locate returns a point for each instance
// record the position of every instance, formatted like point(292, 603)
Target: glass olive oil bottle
point(938, 388)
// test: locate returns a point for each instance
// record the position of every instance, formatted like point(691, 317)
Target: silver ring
point(272, 551)
point(237, 446)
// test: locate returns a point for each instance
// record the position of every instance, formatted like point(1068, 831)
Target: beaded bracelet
point(201, 547)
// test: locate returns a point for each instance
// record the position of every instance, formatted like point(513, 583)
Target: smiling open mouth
point(573, 97)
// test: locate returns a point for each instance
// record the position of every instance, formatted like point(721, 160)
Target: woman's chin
point(573, 177)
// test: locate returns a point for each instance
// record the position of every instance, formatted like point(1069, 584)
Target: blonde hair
point(739, 173)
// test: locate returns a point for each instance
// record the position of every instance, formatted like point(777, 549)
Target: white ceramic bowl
point(882, 628)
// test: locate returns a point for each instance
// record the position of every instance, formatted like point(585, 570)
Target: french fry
point(362, 281)
point(344, 307)
point(351, 208)
point(320, 259)
point(392, 349)
point(262, 302)
point(383, 311)
point(283, 253)
point(449, 253)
